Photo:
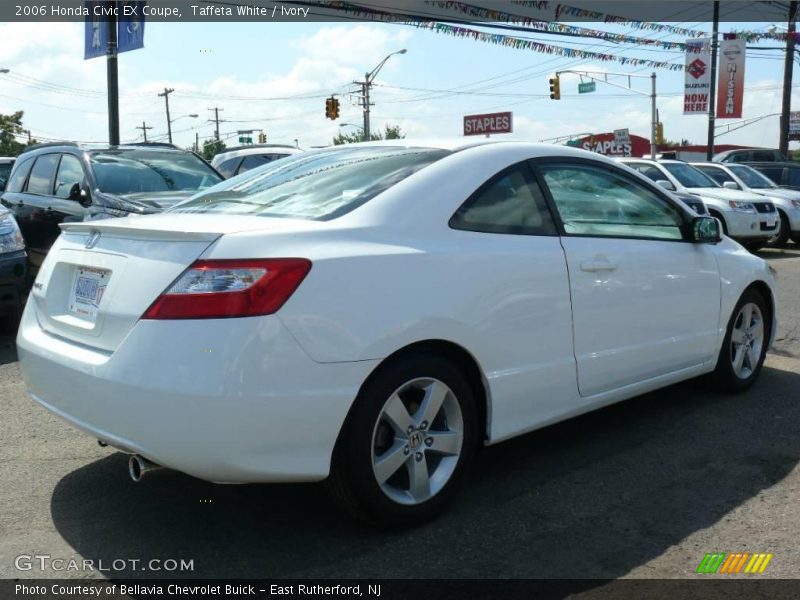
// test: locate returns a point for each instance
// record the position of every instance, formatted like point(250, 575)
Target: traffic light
point(329, 108)
point(555, 88)
point(335, 108)
point(262, 138)
point(659, 133)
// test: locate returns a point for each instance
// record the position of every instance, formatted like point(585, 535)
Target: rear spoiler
point(120, 228)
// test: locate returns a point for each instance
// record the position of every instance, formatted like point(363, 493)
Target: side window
point(763, 155)
point(253, 161)
point(794, 177)
point(648, 171)
point(41, 178)
point(717, 175)
point(774, 173)
point(597, 202)
point(510, 202)
point(69, 173)
point(228, 167)
point(19, 175)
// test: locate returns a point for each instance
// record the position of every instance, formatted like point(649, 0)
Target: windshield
point(689, 176)
point(135, 171)
point(318, 185)
point(751, 177)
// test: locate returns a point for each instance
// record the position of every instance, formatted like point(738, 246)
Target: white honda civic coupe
point(371, 314)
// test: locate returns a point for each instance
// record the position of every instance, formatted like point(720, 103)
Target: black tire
point(353, 483)
point(754, 246)
point(724, 378)
point(796, 238)
point(779, 241)
point(9, 322)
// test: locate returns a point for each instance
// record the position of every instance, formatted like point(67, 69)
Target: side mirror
point(667, 185)
point(706, 230)
point(79, 194)
point(730, 185)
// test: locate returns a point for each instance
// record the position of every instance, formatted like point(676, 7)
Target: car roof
point(95, 146)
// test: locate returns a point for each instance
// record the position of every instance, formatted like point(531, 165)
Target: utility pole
point(788, 64)
point(653, 118)
point(167, 92)
point(216, 110)
point(712, 98)
point(112, 76)
point(144, 127)
point(197, 142)
point(365, 87)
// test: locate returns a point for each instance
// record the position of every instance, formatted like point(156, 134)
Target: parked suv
point(746, 178)
point(750, 154)
point(748, 218)
point(65, 182)
point(783, 174)
point(13, 270)
point(243, 158)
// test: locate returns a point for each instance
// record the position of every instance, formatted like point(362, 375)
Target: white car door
point(645, 301)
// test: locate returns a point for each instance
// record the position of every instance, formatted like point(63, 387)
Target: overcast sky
point(243, 67)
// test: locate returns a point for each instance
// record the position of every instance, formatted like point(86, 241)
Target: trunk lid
point(101, 276)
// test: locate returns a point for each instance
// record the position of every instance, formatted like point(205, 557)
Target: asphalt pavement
point(641, 489)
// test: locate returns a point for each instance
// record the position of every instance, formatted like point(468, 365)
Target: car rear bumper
point(228, 400)
point(13, 281)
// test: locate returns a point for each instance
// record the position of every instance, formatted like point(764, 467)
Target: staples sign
point(486, 124)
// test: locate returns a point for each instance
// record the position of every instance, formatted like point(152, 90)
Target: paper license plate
point(87, 291)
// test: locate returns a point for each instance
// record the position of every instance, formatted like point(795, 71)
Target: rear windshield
point(751, 177)
point(689, 176)
point(134, 171)
point(319, 185)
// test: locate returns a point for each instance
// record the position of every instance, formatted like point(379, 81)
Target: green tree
point(10, 129)
point(390, 132)
point(212, 147)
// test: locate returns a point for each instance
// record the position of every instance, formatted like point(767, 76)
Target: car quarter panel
point(376, 288)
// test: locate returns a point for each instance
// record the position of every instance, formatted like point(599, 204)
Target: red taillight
point(221, 289)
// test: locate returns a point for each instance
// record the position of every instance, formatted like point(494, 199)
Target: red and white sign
point(730, 89)
point(609, 145)
point(698, 76)
point(489, 123)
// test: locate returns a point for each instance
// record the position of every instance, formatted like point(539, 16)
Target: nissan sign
point(486, 124)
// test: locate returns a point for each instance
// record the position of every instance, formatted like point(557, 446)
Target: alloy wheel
point(417, 441)
point(747, 340)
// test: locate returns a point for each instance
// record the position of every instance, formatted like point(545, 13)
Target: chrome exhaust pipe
point(138, 467)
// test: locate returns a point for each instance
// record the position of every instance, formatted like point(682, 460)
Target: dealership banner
point(698, 76)
point(730, 88)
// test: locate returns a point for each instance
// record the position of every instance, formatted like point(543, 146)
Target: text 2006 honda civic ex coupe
point(370, 314)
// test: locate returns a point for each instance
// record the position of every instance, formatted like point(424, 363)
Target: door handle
point(598, 264)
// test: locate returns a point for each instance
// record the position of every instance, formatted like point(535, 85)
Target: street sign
point(489, 123)
point(794, 126)
point(622, 136)
point(585, 88)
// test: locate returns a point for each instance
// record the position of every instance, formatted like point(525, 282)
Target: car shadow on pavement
point(594, 497)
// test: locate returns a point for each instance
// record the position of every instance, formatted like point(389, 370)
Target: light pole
point(366, 85)
point(356, 126)
point(171, 121)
